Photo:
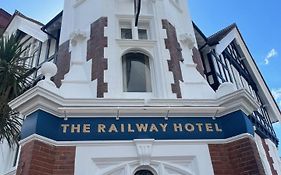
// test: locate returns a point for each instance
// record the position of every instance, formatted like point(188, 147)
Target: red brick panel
point(221, 162)
point(95, 52)
point(198, 60)
point(175, 50)
point(5, 18)
point(236, 158)
point(63, 62)
point(64, 161)
point(39, 158)
point(269, 159)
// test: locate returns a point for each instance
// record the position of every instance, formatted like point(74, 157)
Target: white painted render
point(273, 152)
point(124, 158)
point(78, 31)
point(77, 95)
point(264, 92)
point(29, 27)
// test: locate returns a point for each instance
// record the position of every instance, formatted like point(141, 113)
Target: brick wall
point(63, 62)
point(198, 60)
point(236, 158)
point(174, 48)
point(40, 158)
point(5, 18)
point(95, 52)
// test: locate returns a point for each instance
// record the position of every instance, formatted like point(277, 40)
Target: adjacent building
point(114, 98)
point(4, 20)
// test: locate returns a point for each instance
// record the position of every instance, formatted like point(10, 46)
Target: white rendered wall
point(7, 157)
point(262, 154)
point(273, 152)
point(79, 15)
point(123, 158)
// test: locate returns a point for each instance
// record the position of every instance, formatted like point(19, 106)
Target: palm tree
point(14, 80)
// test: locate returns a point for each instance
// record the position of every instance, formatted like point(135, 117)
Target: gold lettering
point(86, 128)
point(189, 127)
point(217, 128)
point(209, 127)
point(64, 127)
point(177, 127)
point(164, 126)
point(153, 128)
point(122, 128)
point(130, 128)
point(199, 125)
point(142, 127)
point(101, 128)
point(112, 128)
point(75, 128)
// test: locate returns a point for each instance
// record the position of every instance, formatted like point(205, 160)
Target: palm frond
point(15, 78)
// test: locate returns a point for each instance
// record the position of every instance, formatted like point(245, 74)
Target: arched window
point(136, 72)
point(143, 172)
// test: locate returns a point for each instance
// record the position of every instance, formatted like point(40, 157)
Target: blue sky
point(258, 21)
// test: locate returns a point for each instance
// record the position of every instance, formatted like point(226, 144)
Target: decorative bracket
point(77, 36)
point(144, 149)
point(187, 39)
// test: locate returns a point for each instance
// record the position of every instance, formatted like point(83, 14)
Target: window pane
point(126, 33)
point(144, 172)
point(137, 73)
point(142, 34)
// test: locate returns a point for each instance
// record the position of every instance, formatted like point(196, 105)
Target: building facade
point(114, 98)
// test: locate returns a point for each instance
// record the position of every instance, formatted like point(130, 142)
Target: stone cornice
point(39, 98)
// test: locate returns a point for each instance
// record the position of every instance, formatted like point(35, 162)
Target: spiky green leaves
point(14, 79)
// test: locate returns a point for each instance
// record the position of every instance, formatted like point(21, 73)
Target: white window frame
point(128, 23)
point(124, 73)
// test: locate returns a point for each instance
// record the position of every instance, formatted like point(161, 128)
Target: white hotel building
point(159, 98)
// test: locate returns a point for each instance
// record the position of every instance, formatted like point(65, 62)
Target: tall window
point(136, 72)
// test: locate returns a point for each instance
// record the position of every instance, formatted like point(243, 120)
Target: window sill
point(137, 95)
point(136, 43)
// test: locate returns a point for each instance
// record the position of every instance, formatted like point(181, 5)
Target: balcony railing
point(263, 127)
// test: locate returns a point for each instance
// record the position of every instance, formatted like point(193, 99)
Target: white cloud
point(277, 95)
point(271, 54)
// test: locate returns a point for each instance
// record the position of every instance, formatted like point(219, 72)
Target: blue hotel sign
point(128, 128)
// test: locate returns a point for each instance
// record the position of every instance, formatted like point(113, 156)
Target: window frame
point(129, 24)
point(124, 72)
point(145, 168)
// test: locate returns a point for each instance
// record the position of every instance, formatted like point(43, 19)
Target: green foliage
point(10, 123)
point(14, 79)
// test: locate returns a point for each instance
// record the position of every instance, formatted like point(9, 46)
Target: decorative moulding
point(187, 39)
point(77, 36)
point(144, 150)
point(76, 3)
point(39, 97)
point(225, 88)
point(49, 70)
point(120, 143)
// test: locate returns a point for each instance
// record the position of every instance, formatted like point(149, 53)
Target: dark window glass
point(143, 34)
point(136, 73)
point(143, 172)
point(126, 33)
